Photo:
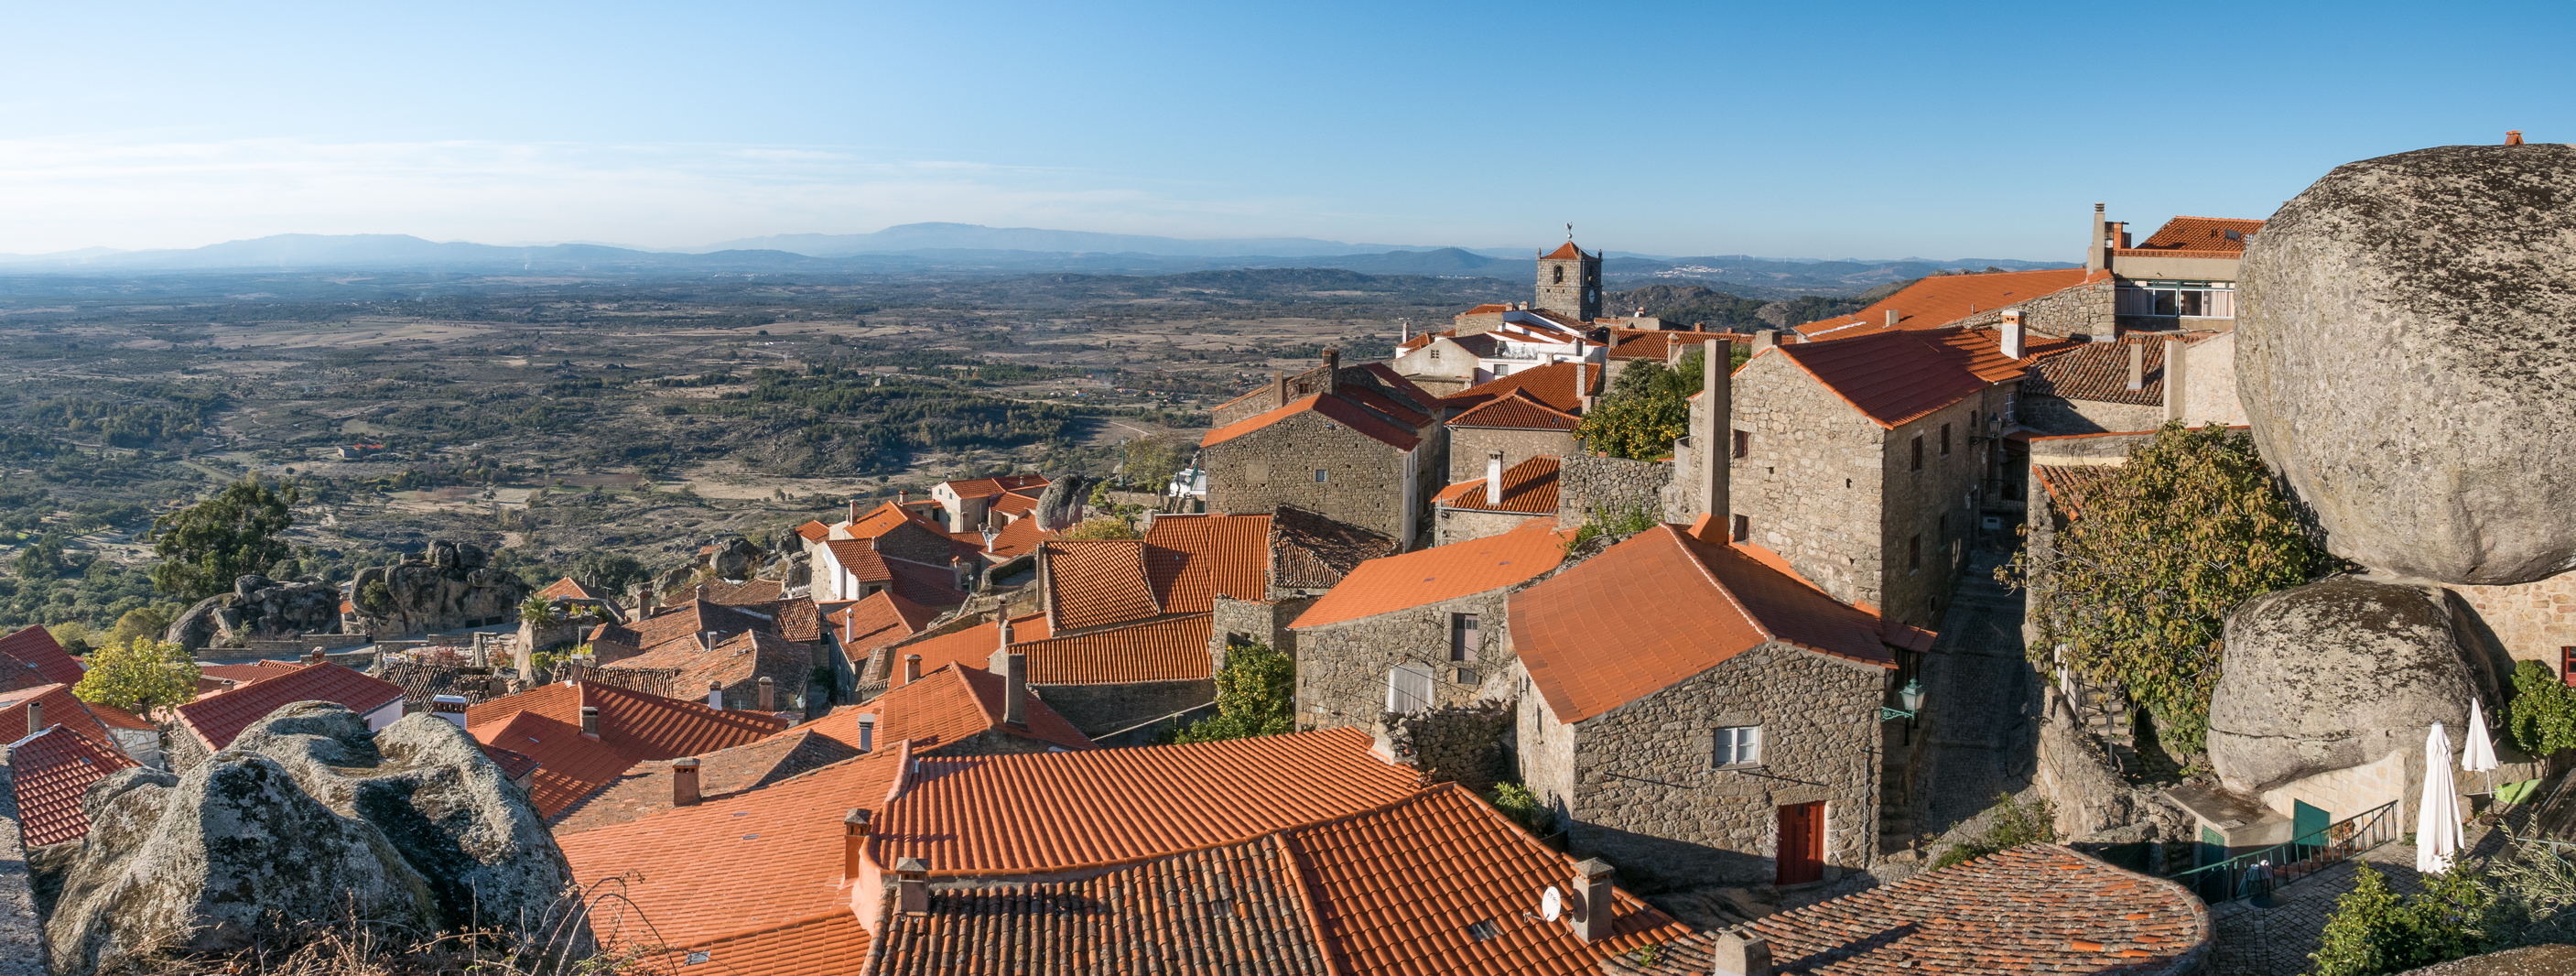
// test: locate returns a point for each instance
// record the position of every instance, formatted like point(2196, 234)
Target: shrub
point(1517, 802)
point(2373, 931)
point(2014, 824)
point(1103, 528)
point(1253, 693)
point(2542, 715)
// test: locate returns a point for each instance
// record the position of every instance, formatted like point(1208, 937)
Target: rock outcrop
point(451, 585)
point(2403, 356)
point(258, 607)
point(307, 817)
point(1061, 504)
point(2337, 674)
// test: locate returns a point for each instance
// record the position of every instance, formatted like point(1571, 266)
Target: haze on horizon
point(1856, 130)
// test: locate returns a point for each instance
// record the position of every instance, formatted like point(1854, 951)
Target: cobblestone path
point(1981, 704)
point(2276, 941)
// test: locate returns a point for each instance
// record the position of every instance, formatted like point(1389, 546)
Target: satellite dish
point(1551, 904)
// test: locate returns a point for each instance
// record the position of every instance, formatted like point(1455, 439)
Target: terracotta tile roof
point(513, 764)
point(1097, 583)
point(570, 765)
point(684, 621)
point(1942, 299)
point(61, 708)
point(1403, 386)
point(2100, 370)
point(1566, 252)
point(830, 944)
point(118, 718)
point(653, 726)
point(1101, 807)
point(761, 861)
point(1169, 649)
point(216, 719)
point(1218, 553)
point(1657, 344)
point(568, 588)
point(814, 531)
point(1237, 908)
point(1517, 410)
point(35, 646)
point(2068, 484)
point(745, 593)
point(1529, 488)
point(243, 674)
point(1489, 308)
point(1396, 889)
point(883, 618)
point(1017, 539)
point(1675, 606)
point(988, 487)
point(50, 773)
point(798, 618)
point(927, 585)
point(972, 646)
point(645, 787)
point(887, 517)
point(1310, 552)
point(1014, 503)
point(1440, 573)
point(1558, 385)
point(1893, 377)
point(1334, 408)
point(687, 666)
point(1402, 414)
point(955, 702)
point(2198, 234)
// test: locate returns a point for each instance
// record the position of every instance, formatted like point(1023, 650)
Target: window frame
point(1913, 553)
point(1736, 746)
point(1323, 476)
point(1464, 638)
point(1743, 444)
point(1742, 530)
point(1918, 452)
point(1945, 440)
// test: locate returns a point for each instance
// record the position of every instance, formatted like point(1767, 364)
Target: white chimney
point(715, 695)
point(1891, 318)
point(2012, 333)
point(1765, 339)
point(707, 638)
point(1494, 478)
point(2137, 366)
point(868, 732)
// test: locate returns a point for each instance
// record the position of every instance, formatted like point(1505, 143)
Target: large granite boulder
point(445, 587)
point(258, 607)
point(1061, 504)
point(304, 819)
point(2404, 355)
point(2337, 674)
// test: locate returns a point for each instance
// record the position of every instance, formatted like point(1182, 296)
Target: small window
point(1914, 554)
point(1463, 637)
point(1435, 354)
point(1739, 745)
point(1945, 527)
point(1560, 275)
point(1743, 443)
point(1945, 440)
point(1743, 528)
point(1502, 370)
point(1319, 476)
point(1408, 689)
point(1480, 931)
point(1918, 452)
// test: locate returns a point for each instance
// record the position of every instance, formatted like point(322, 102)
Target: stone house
point(2059, 302)
point(1697, 714)
point(1370, 383)
point(1479, 350)
point(207, 725)
point(2181, 278)
point(50, 770)
point(1306, 556)
point(898, 547)
point(980, 503)
point(752, 670)
point(1346, 453)
point(1516, 424)
point(1420, 630)
point(1500, 501)
point(584, 737)
point(2137, 382)
point(696, 621)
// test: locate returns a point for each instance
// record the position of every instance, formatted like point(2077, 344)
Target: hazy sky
point(1817, 130)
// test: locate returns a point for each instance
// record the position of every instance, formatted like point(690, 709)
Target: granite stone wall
point(1235, 621)
point(1460, 744)
point(1930, 515)
point(1365, 479)
point(1100, 709)
point(2531, 621)
point(1450, 525)
point(2061, 416)
point(1342, 668)
point(1586, 484)
point(1469, 445)
point(1810, 483)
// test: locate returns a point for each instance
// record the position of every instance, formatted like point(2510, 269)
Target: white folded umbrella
point(2438, 836)
point(2480, 755)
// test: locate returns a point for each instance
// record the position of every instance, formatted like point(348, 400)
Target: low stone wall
point(1100, 709)
point(2092, 802)
point(305, 642)
point(1586, 484)
point(1460, 744)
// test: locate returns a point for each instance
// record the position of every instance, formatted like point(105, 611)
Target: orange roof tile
point(829, 944)
point(570, 765)
point(972, 645)
point(883, 618)
point(988, 487)
point(217, 719)
point(743, 594)
point(1517, 410)
point(686, 620)
point(1403, 386)
point(1675, 606)
point(51, 771)
point(1566, 252)
point(1169, 649)
point(1310, 552)
point(1657, 344)
point(1333, 408)
point(243, 674)
point(927, 585)
point(1016, 539)
point(1396, 888)
point(1108, 806)
point(2199, 234)
point(652, 726)
point(2067, 485)
point(955, 702)
point(731, 866)
point(645, 788)
point(1896, 376)
point(568, 588)
point(1440, 573)
point(688, 666)
point(2100, 370)
point(1560, 386)
point(1014, 503)
point(1942, 299)
point(36, 647)
point(1529, 488)
point(1403, 415)
point(1218, 553)
point(61, 708)
point(813, 531)
point(1097, 583)
point(887, 517)
point(118, 718)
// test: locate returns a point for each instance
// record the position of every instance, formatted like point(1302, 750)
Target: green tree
point(2144, 573)
point(1253, 693)
point(2373, 931)
point(2542, 716)
point(45, 559)
point(206, 546)
point(538, 610)
point(142, 675)
point(1150, 463)
point(1647, 409)
point(151, 621)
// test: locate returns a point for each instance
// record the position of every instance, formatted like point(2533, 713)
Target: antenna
point(1550, 905)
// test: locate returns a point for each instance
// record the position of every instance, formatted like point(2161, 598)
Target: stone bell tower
point(1569, 281)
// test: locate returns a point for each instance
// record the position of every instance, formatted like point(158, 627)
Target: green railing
point(2258, 874)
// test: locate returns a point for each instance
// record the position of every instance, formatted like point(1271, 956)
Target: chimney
point(2093, 250)
point(1279, 381)
point(1595, 906)
point(912, 893)
point(707, 638)
point(2513, 137)
point(2137, 366)
point(1493, 477)
point(2012, 337)
point(1014, 669)
point(1741, 955)
point(911, 668)
point(590, 721)
point(1892, 318)
point(1765, 339)
point(715, 695)
point(1713, 443)
point(2174, 405)
point(702, 592)
point(902, 496)
point(855, 827)
point(768, 695)
point(684, 781)
point(854, 510)
point(35, 717)
point(868, 732)
point(1332, 371)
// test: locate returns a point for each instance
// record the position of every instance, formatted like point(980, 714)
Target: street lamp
point(1911, 696)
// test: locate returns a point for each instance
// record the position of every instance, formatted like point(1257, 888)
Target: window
point(1739, 745)
point(1945, 440)
point(1435, 354)
point(1480, 931)
point(1560, 275)
point(1319, 476)
point(1408, 689)
point(1743, 443)
point(1743, 528)
point(1463, 637)
point(1914, 554)
point(1502, 370)
point(1918, 452)
point(1945, 527)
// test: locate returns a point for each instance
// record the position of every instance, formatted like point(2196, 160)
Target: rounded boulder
point(2406, 355)
point(2333, 675)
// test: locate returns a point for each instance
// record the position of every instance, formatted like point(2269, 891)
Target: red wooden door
point(1802, 843)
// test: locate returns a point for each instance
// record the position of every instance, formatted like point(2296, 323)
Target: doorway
point(1802, 843)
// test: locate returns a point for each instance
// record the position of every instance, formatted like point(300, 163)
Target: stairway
point(1895, 805)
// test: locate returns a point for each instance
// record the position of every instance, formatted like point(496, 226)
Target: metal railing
point(2258, 874)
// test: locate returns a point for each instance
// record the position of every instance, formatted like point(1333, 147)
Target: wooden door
point(1802, 843)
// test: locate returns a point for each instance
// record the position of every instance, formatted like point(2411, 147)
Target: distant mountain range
point(974, 237)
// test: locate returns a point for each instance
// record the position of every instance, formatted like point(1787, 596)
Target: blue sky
point(1807, 130)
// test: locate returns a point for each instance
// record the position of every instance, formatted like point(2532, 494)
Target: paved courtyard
point(2276, 941)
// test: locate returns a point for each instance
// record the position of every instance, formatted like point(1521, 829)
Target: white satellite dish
point(1551, 904)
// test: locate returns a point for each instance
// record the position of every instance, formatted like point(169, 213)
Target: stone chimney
point(1493, 478)
point(868, 732)
point(2174, 405)
point(590, 721)
point(2094, 252)
point(1332, 371)
point(2137, 366)
point(768, 694)
point(912, 891)
point(1594, 905)
point(715, 695)
point(684, 781)
point(854, 510)
point(1893, 318)
point(1279, 387)
point(855, 827)
point(1014, 671)
point(911, 668)
point(2513, 137)
point(35, 717)
point(1739, 954)
point(707, 638)
point(1713, 441)
point(2012, 334)
point(1765, 339)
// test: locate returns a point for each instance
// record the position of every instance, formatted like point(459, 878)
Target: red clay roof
point(1014, 503)
point(690, 666)
point(50, 773)
point(743, 594)
point(1169, 649)
point(2198, 234)
point(830, 944)
point(1440, 573)
point(570, 765)
point(2068, 484)
point(973, 645)
point(569, 589)
point(686, 620)
point(1101, 807)
point(243, 674)
point(1657, 344)
point(35, 647)
point(1558, 385)
point(1942, 299)
point(1675, 606)
point(814, 531)
point(217, 719)
point(1016, 539)
point(1566, 252)
point(645, 788)
point(61, 708)
point(1893, 377)
point(2100, 370)
point(1402, 385)
point(1517, 410)
point(988, 487)
point(1529, 488)
point(957, 701)
point(1220, 554)
point(654, 726)
point(1098, 583)
point(118, 718)
point(927, 585)
point(1333, 408)
point(883, 618)
point(1402, 414)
